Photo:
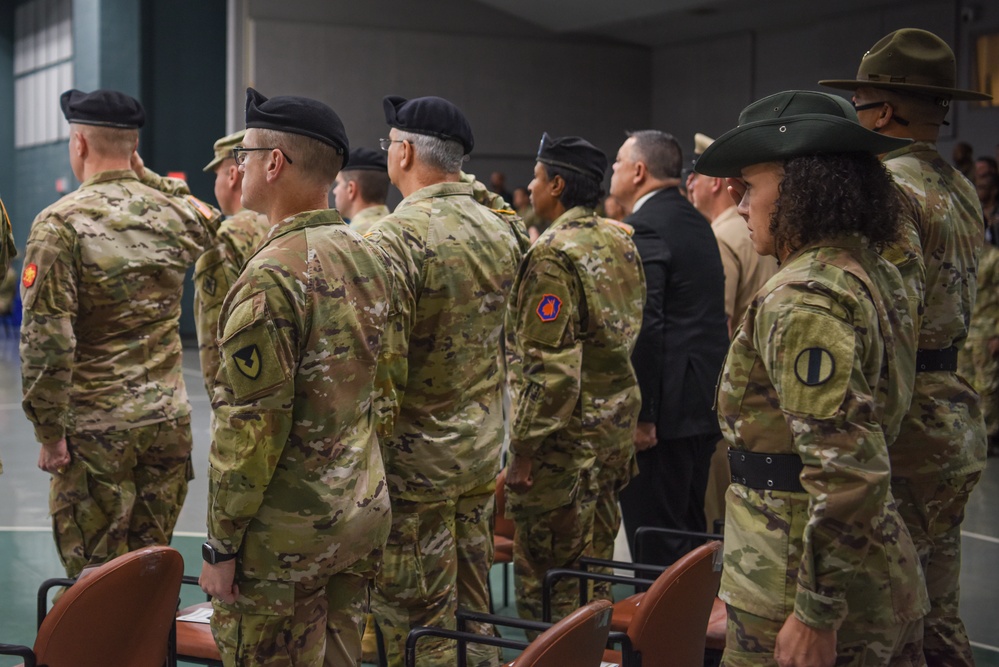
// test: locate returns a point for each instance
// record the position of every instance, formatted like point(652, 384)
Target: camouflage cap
point(791, 124)
point(223, 149)
point(910, 61)
point(107, 108)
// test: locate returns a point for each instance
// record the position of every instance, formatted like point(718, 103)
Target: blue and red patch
point(549, 308)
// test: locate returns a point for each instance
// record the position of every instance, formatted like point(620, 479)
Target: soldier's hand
point(800, 645)
point(645, 436)
point(219, 580)
point(518, 474)
point(54, 457)
point(736, 189)
point(138, 166)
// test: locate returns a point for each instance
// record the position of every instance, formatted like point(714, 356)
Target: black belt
point(766, 472)
point(936, 360)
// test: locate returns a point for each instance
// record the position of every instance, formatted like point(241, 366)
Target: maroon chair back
point(117, 614)
point(579, 639)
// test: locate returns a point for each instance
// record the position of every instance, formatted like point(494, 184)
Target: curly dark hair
point(827, 196)
point(579, 190)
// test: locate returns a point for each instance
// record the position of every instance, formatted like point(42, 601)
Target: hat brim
point(214, 163)
point(937, 91)
point(777, 139)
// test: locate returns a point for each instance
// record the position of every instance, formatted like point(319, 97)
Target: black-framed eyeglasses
point(385, 142)
point(239, 154)
point(874, 105)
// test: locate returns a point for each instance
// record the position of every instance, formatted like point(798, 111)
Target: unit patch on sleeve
point(814, 366)
point(247, 361)
point(549, 308)
point(29, 275)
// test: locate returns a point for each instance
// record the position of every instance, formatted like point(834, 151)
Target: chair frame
point(464, 637)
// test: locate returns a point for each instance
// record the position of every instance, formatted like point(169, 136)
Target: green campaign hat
point(223, 148)
point(910, 61)
point(790, 124)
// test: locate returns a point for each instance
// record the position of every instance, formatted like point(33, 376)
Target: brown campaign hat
point(910, 61)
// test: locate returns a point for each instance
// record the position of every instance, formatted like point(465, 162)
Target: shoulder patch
point(549, 308)
point(814, 366)
point(627, 229)
point(203, 208)
point(247, 361)
point(29, 275)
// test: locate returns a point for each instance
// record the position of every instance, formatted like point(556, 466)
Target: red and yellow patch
point(203, 208)
point(29, 275)
point(549, 308)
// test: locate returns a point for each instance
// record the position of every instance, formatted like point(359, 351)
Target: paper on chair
point(201, 615)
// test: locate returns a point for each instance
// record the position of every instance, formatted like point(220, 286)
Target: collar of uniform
point(847, 241)
point(644, 198)
point(323, 216)
point(448, 189)
point(574, 213)
point(914, 147)
point(111, 175)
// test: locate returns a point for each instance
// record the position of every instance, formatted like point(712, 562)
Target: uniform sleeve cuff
point(49, 434)
point(819, 611)
point(224, 546)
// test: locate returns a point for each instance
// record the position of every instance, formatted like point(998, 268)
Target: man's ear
point(276, 164)
point(884, 115)
point(351, 189)
point(408, 154)
point(641, 173)
point(718, 185)
point(233, 177)
point(80, 145)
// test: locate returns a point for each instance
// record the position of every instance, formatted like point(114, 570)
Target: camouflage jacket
point(943, 433)
point(498, 205)
point(571, 325)
point(456, 262)
point(102, 281)
point(296, 482)
point(362, 222)
point(214, 273)
point(8, 250)
point(813, 371)
point(985, 316)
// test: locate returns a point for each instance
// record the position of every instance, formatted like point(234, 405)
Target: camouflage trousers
point(543, 541)
point(276, 624)
point(121, 491)
point(750, 641)
point(438, 556)
point(606, 524)
point(933, 511)
point(981, 369)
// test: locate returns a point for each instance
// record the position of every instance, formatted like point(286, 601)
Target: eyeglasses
point(874, 105)
point(239, 154)
point(385, 142)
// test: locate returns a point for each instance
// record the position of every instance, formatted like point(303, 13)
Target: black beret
point(573, 153)
point(108, 108)
point(429, 115)
point(297, 115)
point(365, 159)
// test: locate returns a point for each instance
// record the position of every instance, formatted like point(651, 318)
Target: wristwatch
point(213, 556)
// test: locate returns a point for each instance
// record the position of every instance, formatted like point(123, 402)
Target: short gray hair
point(445, 155)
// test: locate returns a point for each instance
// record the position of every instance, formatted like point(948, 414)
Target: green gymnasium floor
point(27, 554)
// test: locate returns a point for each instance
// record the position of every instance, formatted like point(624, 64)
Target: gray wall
point(702, 86)
point(511, 81)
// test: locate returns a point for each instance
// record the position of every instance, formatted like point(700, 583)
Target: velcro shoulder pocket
point(251, 354)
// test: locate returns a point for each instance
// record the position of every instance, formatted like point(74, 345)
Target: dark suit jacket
point(684, 337)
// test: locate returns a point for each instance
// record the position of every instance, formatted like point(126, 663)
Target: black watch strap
point(212, 556)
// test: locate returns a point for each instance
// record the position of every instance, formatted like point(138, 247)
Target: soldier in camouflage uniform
point(8, 251)
point(904, 88)
point(819, 568)
point(361, 189)
point(100, 344)
point(978, 360)
point(216, 270)
point(456, 261)
point(298, 504)
point(573, 318)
